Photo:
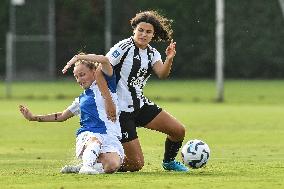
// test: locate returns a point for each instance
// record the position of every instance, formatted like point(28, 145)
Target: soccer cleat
point(71, 169)
point(88, 170)
point(174, 166)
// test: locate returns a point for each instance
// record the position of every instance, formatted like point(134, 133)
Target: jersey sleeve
point(114, 55)
point(156, 56)
point(75, 107)
point(116, 52)
point(111, 82)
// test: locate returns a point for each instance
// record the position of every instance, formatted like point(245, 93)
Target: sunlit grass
point(245, 135)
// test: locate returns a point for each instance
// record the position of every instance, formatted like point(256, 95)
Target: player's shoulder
point(120, 48)
point(125, 43)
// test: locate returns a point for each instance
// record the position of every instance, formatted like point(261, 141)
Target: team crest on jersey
point(115, 54)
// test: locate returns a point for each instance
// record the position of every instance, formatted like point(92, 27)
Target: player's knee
point(111, 166)
point(182, 131)
point(179, 133)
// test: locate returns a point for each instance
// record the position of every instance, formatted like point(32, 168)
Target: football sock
point(91, 153)
point(171, 150)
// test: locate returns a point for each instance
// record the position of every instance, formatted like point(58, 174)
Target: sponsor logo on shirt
point(137, 57)
point(115, 54)
point(138, 81)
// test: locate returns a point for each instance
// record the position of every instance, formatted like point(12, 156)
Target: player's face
point(84, 76)
point(143, 34)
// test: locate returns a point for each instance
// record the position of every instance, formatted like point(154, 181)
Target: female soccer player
point(134, 60)
point(97, 141)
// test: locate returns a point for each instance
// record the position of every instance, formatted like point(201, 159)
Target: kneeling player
point(97, 142)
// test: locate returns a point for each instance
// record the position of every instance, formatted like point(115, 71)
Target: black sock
point(171, 150)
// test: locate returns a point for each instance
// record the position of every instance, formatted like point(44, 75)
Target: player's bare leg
point(175, 131)
point(134, 159)
point(110, 161)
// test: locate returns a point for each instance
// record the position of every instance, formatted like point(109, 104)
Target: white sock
point(91, 154)
point(99, 167)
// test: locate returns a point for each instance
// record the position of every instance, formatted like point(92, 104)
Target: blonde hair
point(89, 64)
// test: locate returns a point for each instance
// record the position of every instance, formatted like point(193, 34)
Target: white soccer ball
point(195, 153)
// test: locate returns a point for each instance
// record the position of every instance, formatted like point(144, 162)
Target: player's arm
point(53, 117)
point(161, 69)
point(109, 104)
point(106, 66)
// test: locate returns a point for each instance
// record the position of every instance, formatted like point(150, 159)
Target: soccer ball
point(195, 153)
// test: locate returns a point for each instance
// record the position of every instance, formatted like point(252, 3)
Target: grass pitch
point(245, 135)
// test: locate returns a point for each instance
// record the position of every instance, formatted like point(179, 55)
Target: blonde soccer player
point(97, 140)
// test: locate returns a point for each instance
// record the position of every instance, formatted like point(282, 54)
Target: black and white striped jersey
point(133, 67)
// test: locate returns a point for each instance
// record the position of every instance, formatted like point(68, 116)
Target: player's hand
point(171, 50)
point(26, 113)
point(110, 110)
point(69, 64)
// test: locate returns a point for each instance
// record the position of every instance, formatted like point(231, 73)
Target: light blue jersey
point(90, 106)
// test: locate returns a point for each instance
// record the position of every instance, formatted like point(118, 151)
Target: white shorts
point(109, 143)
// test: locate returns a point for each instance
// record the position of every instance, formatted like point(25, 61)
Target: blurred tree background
point(254, 34)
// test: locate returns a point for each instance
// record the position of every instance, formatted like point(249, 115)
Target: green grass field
point(245, 135)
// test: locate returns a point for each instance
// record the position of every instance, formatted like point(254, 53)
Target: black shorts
point(139, 118)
